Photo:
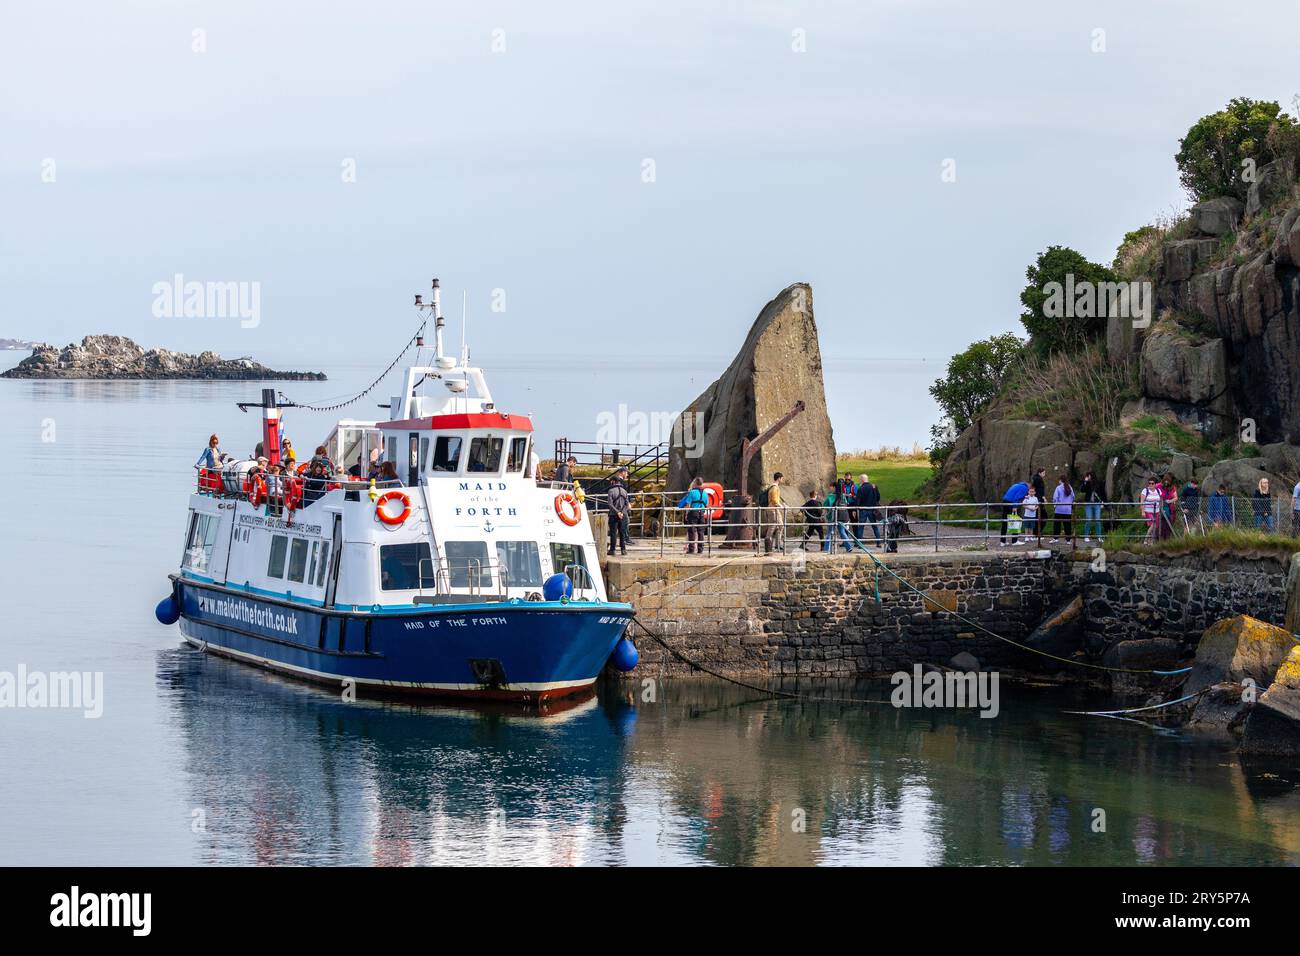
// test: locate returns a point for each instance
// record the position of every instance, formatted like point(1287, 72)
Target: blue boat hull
point(516, 650)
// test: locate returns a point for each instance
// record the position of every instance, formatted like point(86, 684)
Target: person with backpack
point(836, 514)
point(773, 516)
point(696, 503)
point(867, 498)
point(813, 518)
point(895, 524)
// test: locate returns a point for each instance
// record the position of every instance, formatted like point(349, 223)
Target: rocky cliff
point(779, 364)
point(1215, 386)
point(117, 357)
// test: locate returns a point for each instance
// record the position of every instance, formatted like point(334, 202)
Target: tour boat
point(468, 576)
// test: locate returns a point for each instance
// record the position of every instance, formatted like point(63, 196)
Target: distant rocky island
point(117, 357)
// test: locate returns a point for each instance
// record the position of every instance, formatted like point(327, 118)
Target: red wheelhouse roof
point(498, 420)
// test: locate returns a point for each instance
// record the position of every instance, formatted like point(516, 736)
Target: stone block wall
point(1139, 597)
point(771, 617)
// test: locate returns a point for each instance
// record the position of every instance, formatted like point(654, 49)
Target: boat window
point(324, 564)
point(390, 450)
point(485, 454)
point(518, 454)
point(311, 568)
point(564, 555)
point(202, 539)
point(446, 453)
point(519, 561)
point(279, 545)
point(351, 451)
point(399, 565)
point(297, 559)
point(466, 559)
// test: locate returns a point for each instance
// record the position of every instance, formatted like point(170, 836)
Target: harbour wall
point(777, 616)
point(836, 617)
point(1130, 597)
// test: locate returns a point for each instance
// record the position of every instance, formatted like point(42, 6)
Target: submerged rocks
point(1234, 649)
point(1156, 653)
point(117, 357)
point(779, 364)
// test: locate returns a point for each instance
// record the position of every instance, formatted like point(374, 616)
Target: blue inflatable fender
point(167, 611)
point(625, 655)
point(558, 587)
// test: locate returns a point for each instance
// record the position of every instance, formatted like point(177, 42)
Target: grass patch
point(1081, 391)
point(1217, 541)
point(895, 479)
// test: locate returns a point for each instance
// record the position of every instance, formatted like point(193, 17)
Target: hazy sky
point(522, 169)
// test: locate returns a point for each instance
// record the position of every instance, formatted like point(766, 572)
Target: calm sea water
point(197, 760)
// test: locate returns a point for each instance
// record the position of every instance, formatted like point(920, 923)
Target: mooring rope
point(879, 566)
point(1138, 710)
point(783, 694)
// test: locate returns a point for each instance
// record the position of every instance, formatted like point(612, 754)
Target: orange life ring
point(293, 493)
point(714, 491)
point(256, 490)
point(569, 518)
point(301, 468)
point(384, 516)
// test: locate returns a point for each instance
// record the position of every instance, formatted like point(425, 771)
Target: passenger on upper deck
point(323, 457)
point(313, 486)
point(388, 474)
point(212, 456)
point(564, 471)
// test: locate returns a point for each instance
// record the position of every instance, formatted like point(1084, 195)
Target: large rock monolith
point(779, 364)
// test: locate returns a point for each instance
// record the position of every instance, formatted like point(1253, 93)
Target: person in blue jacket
point(695, 501)
point(1220, 510)
point(1010, 502)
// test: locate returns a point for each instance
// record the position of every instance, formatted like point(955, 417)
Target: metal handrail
point(962, 524)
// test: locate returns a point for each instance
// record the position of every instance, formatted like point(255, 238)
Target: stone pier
point(777, 616)
point(835, 616)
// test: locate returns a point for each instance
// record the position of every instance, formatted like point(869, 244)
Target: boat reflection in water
point(286, 773)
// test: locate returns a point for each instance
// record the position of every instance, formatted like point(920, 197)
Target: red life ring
point(256, 490)
point(384, 516)
point(293, 493)
point(568, 517)
point(714, 492)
